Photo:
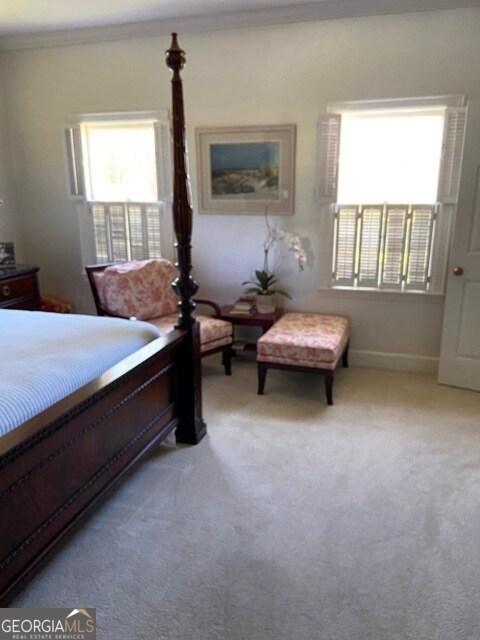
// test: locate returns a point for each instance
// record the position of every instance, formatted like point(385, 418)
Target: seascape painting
point(245, 170)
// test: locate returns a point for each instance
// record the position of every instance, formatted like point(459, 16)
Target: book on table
point(242, 312)
point(245, 305)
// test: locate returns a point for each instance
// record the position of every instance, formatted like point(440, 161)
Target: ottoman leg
point(329, 386)
point(262, 374)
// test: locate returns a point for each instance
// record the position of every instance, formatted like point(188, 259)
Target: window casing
point(383, 243)
point(120, 172)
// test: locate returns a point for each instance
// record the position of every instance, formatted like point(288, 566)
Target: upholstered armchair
point(142, 290)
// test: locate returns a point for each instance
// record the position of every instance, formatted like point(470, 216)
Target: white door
point(460, 351)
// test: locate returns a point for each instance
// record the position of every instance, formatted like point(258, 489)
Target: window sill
point(422, 297)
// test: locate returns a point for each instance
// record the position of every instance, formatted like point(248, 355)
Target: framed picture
point(7, 254)
point(244, 170)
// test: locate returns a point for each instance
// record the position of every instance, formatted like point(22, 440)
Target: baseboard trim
point(395, 361)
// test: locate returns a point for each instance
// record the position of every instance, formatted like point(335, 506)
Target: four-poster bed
point(57, 466)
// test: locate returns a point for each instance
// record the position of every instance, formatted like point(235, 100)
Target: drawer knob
point(457, 271)
point(6, 291)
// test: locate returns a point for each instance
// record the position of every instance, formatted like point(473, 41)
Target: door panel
point(468, 337)
point(460, 351)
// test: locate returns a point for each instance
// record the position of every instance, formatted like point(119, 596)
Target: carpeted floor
point(292, 520)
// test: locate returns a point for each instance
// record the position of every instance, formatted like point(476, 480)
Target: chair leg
point(329, 386)
point(227, 360)
point(345, 356)
point(262, 375)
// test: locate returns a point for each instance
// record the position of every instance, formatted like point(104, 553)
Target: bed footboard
point(57, 466)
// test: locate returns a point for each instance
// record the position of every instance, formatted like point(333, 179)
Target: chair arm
point(214, 306)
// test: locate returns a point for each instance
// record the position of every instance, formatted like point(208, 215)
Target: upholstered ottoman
point(304, 342)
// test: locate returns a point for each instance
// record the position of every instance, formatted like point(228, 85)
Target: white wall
point(281, 74)
point(9, 226)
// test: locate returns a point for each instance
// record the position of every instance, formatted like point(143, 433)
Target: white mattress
point(46, 356)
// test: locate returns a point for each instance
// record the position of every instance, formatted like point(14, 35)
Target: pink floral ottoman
point(304, 342)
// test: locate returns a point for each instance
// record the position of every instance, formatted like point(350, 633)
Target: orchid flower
point(291, 241)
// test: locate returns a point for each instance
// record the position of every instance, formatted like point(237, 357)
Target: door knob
point(458, 271)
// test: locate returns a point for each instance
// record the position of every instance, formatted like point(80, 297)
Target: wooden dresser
point(19, 287)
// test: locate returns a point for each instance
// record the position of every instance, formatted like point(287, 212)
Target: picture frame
point(246, 170)
point(7, 254)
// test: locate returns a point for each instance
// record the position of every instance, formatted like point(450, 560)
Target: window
point(389, 172)
point(121, 162)
point(121, 169)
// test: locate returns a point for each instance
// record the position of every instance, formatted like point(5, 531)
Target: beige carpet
point(292, 520)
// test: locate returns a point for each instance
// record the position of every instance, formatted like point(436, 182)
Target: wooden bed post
point(192, 427)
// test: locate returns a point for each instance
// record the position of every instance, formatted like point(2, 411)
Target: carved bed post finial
point(184, 286)
point(191, 427)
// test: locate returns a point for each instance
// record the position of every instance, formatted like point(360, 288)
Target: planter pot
point(265, 304)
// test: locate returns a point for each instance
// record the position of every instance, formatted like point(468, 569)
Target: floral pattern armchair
point(142, 290)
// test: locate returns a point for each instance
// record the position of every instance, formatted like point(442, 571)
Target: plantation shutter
point(394, 247)
point(387, 246)
point(118, 232)
point(358, 245)
point(163, 148)
point(422, 221)
point(345, 246)
point(126, 231)
point(370, 241)
point(450, 167)
point(74, 158)
point(152, 219)
point(328, 145)
point(137, 231)
point(100, 231)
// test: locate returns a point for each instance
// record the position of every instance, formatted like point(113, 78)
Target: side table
point(262, 320)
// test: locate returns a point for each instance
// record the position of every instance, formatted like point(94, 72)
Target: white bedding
point(46, 356)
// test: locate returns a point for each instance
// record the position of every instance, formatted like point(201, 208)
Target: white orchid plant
point(265, 279)
point(290, 240)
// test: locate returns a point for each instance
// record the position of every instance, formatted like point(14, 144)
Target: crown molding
point(311, 11)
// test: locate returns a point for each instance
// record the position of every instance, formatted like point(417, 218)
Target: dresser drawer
point(19, 291)
point(17, 288)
